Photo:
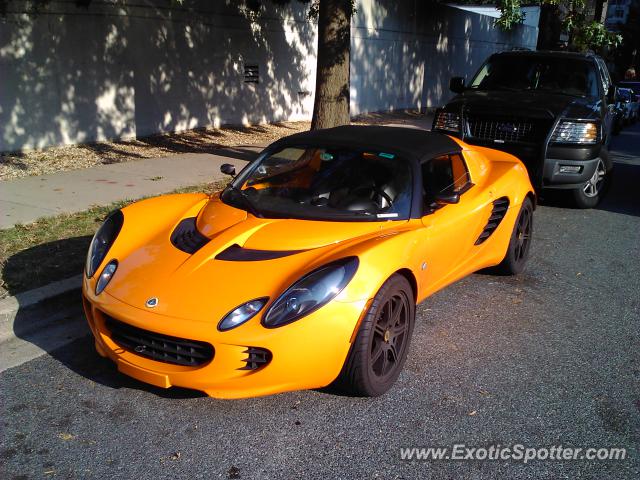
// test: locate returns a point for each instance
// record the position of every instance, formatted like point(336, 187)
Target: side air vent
point(187, 238)
point(257, 358)
point(500, 207)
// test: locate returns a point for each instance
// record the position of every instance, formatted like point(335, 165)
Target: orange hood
point(200, 287)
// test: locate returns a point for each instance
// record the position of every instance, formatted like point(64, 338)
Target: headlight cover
point(102, 241)
point(106, 276)
point(311, 292)
point(574, 131)
point(447, 121)
point(242, 314)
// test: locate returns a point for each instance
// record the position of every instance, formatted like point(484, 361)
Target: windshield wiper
point(246, 202)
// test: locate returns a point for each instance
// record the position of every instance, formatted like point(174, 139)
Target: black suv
point(552, 110)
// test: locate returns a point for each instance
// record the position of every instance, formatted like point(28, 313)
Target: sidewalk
point(27, 199)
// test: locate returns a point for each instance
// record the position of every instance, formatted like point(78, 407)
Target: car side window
point(445, 174)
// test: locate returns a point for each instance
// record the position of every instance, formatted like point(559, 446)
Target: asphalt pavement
point(549, 357)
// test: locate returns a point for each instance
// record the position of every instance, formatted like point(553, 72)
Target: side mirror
point(456, 84)
point(611, 94)
point(447, 198)
point(228, 169)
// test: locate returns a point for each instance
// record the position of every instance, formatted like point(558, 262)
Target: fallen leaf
point(66, 436)
point(175, 456)
point(471, 414)
point(234, 472)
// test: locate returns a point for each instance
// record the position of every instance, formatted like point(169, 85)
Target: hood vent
point(500, 207)
point(235, 253)
point(187, 238)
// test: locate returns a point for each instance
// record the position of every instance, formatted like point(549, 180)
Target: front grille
point(157, 346)
point(508, 130)
point(499, 210)
point(256, 358)
point(187, 238)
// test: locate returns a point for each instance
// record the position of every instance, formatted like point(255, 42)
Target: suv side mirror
point(447, 198)
point(456, 84)
point(612, 93)
point(228, 169)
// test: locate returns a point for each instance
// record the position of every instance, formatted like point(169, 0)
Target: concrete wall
point(115, 70)
point(403, 53)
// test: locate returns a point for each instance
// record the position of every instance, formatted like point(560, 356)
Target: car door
point(451, 229)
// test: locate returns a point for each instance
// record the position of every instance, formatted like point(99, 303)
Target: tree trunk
point(549, 27)
point(331, 104)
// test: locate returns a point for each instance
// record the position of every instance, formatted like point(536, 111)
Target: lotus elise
point(305, 271)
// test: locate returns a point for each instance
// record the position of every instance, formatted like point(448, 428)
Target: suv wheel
point(590, 194)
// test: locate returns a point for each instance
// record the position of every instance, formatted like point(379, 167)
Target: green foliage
point(594, 36)
point(585, 33)
point(510, 14)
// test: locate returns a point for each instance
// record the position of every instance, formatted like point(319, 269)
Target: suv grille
point(157, 346)
point(506, 130)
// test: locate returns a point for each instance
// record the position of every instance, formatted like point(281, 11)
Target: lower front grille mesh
point(159, 347)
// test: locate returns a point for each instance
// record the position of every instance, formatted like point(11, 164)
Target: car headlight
point(106, 276)
point(573, 131)
point(447, 121)
point(102, 241)
point(241, 314)
point(311, 292)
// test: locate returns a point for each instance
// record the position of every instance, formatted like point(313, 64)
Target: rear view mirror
point(456, 84)
point(611, 94)
point(228, 169)
point(447, 198)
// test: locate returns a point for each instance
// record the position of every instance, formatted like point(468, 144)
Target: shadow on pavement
point(44, 264)
point(624, 193)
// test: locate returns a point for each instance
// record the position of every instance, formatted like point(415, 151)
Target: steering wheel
point(375, 189)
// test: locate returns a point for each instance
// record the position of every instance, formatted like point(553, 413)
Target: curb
point(10, 306)
point(40, 321)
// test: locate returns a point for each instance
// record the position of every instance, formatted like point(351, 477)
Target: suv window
point(444, 174)
point(567, 76)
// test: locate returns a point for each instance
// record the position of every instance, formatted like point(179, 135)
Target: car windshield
point(325, 184)
point(564, 76)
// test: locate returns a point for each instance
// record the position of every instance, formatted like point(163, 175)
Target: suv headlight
point(102, 241)
point(311, 292)
point(574, 131)
point(447, 121)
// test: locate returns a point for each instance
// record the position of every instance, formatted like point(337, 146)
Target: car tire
point(515, 260)
point(594, 190)
point(380, 348)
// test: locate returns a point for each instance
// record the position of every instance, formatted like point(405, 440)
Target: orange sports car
point(306, 269)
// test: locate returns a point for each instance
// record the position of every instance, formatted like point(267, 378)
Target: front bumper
point(308, 353)
point(555, 179)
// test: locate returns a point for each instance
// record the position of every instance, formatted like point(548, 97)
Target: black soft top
point(410, 143)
